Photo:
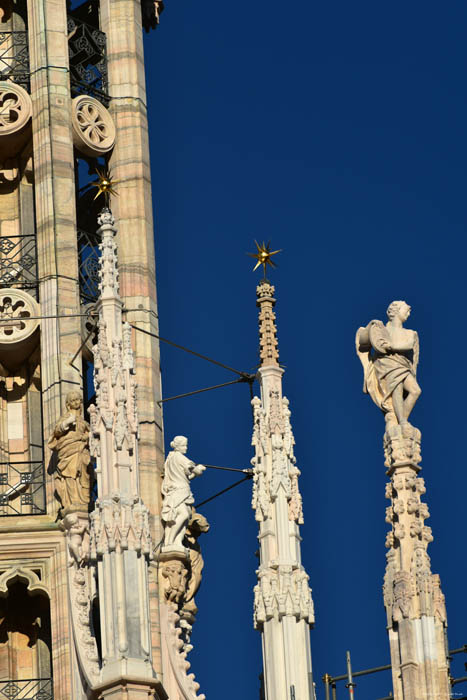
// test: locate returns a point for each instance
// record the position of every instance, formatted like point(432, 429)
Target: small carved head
point(400, 309)
point(179, 444)
point(73, 400)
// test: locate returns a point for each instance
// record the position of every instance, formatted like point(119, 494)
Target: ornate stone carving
point(282, 591)
point(178, 498)
point(15, 116)
point(402, 446)
point(76, 527)
point(178, 683)
point(175, 574)
point(70, 441)
point(16, 307)
point(197, 526)
point(401, 605)
point(389, 355)
point(120, 523)
point(93, 127)
point(268, 347)
point(108, 271)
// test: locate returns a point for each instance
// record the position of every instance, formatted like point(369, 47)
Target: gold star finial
point(263, 256)
point(105, 185)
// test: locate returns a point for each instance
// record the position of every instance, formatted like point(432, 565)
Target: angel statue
point(389, 355)
point(178, 499)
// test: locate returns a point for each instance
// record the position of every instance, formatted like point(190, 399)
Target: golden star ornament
point(105, 185)
point(263, 256)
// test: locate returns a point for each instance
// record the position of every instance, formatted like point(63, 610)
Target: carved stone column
point(416, 613)
point(283, 608)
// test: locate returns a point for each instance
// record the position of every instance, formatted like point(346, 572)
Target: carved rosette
point(15, 118)
point(282, 591)
point(93, 127)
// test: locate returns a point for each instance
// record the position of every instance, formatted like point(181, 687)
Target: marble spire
point(283, 607)
point(121, 544)
point(414, 602)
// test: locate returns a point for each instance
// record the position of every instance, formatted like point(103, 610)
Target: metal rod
point(455, 681)
point(334, 691)
point(246, 375)
point(200, 391)
point(350, 684)
point(246, 478)
point(326, 681)
point(366, 672)
point(460, 650)
point(229, 469)
point(82, 345)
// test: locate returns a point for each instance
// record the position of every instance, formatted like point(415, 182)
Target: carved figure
point(178, 499)
point(389, 355)
point(78, 537)
point(70, 440)
point(196, 527)
point(175, 574)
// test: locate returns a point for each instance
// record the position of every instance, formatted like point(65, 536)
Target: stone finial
point(268, 345)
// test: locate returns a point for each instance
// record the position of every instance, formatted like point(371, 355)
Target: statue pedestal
point(170, 552)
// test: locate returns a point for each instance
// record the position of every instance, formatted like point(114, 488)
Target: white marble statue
point(389, 355)
point(178, 499)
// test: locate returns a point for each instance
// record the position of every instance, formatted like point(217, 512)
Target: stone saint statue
point(70, 440)
point(178, 499)
point(389, 355)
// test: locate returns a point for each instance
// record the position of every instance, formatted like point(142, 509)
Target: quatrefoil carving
point(93, 127)
point(15, 108)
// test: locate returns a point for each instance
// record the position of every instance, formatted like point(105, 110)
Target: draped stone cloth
point(72, 478)
point(176, 490)
point(383, 371)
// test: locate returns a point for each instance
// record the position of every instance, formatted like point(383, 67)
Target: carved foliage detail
point(76, 527)
point(280, 592)
point(268, 349)
point(402, 445)
point(119, 523)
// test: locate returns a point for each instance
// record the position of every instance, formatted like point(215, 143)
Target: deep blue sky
point(338, 131)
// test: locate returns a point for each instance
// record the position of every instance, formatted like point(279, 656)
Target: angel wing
point(363, 354)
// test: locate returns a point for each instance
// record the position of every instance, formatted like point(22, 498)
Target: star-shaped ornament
point(263, 256)
point(105, 185)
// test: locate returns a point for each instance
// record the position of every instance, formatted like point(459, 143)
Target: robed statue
point(389, 355)
point(70, 441)
point(178, 499)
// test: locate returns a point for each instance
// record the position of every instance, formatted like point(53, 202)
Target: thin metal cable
point(246, 375)
point(246, 478)
point(200, 391)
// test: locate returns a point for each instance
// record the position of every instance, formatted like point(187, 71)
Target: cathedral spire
point(414, 602)
point(283, 607)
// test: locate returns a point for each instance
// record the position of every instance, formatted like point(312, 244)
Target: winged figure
point(389, 355)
